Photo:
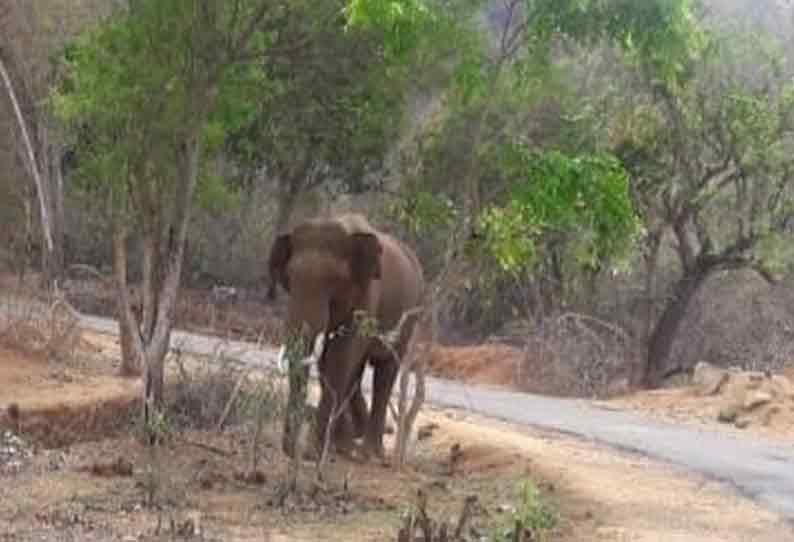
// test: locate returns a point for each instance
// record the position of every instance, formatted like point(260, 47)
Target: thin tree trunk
point(52, 261)
point(287, 196)
point(25, 254)
point(58, 210)
point(647, 325)
point(31, 156)
point(666, 329)
point(132, 347)
point(168, 287)
point(150, 285)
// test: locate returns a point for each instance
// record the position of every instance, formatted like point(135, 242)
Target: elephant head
point(327, 271)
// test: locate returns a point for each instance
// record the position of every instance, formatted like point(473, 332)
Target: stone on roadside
point(708, 378)
point(783, 386)
point(728, 414)
point(769, 415)
point(749, 380)
point(756, 399)
point(742, 423)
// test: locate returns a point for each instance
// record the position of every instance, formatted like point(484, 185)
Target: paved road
point(758, 469)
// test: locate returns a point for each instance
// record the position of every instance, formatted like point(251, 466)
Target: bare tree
point(714, 175)
point(26, 83)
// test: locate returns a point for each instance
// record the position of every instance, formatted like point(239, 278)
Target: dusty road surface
point(694, 481)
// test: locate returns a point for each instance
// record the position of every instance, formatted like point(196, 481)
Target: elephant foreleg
point(383, 381)
point(334, 410)
point(351, 424)
point(358, 406)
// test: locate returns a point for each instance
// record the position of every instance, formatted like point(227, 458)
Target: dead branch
point(207, 447)
point(232, 398)
point(465, 515)
point(431, 531)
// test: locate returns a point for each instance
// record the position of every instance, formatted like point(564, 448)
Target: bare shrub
point(575, 355)
point(200, 396)
point(419, 522)
point(414, 362)
point(261, 402)
point(51, 329)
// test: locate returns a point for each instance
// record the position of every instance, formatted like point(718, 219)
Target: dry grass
point(49, 327)
point(93, 477)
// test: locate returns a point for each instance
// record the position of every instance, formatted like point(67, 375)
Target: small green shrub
point(533, 518)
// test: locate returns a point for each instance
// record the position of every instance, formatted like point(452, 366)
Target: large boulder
point(709, 379)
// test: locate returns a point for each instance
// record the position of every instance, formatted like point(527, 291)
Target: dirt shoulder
point(601, 494)
point(610, 495)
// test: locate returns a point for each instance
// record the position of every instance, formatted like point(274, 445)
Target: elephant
point(335, 269)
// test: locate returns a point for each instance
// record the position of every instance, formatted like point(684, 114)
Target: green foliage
point(135, 87)
point(714, 154)
point(533, 515)
point(333, 105)
point(489, 99)
point(579, 202)
point(659, 35)
point(421, 211)
point(402, 21)
point(215, 195)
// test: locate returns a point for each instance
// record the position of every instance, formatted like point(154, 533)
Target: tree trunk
point(145, 341)
point(57, 211)
point(287, 196)
point(666, 329)
point(53, 261)
point(150, 286)
point(132, 347)
point(165, 286)
point(645, 333)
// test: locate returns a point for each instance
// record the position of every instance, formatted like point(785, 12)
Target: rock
point(728, 414)
point(742, 423)
point(709, 379)
point(783, 386)
point(618, 387)
point(769, 415)
point(756, 399)
point(749, 380)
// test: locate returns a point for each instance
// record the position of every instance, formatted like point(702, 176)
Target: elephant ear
point(280, 254)
point(365, 257)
